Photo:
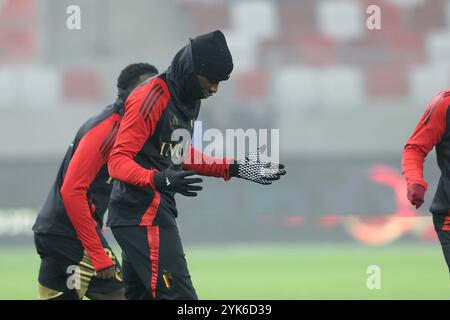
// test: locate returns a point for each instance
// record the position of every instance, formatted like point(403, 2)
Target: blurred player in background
point(68, 228)
point(142, 211)
point(432, 130)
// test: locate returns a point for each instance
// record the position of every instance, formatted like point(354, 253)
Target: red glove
point(416, 194)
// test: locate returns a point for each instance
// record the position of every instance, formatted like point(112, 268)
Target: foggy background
point(345, 99)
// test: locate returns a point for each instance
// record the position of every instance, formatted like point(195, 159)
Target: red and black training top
point(144, 145)
point(432, 130)
point(79, 197)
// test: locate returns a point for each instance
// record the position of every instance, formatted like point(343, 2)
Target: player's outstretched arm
point(205, 165)
point(249, 168)
point(426, 135)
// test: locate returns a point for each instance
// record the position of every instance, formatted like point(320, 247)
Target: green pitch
point(280, 272)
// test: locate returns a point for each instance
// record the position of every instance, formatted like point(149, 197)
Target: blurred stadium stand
point(334, 88)
point(299, 57)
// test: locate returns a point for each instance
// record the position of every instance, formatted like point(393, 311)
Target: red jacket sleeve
point(143, 109)
point(90, 155)
point(205, 165)
point(427, 134)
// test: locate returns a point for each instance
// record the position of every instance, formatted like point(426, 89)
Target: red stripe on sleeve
point(427, 134)
point(153, 244)
point(143, 109)
point(205, 165)
point(84, 166)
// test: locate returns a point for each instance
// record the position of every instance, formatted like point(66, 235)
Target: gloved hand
point(416, 194)
point(251, 168)
point(174, 179)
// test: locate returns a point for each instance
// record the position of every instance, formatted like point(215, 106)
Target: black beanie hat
point(212, 58)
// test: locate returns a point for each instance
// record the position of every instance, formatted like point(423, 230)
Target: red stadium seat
point(252, 86)
point(406, 48)
point(18, 30)
point(317, 50)
point(389, 81)
point(297, 17)
point(81, 86)
point(428, 16)
point(206, 16)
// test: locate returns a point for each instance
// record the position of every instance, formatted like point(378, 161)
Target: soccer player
point(432, 130)
point(142, 211)
point(76, 260)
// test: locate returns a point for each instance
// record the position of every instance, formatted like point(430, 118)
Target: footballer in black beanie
point(212, 58)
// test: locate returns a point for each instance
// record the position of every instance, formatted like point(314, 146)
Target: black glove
point(251, 168)
point(174, 179)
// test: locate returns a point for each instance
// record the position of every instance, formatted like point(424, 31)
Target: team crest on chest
point(174, 123)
